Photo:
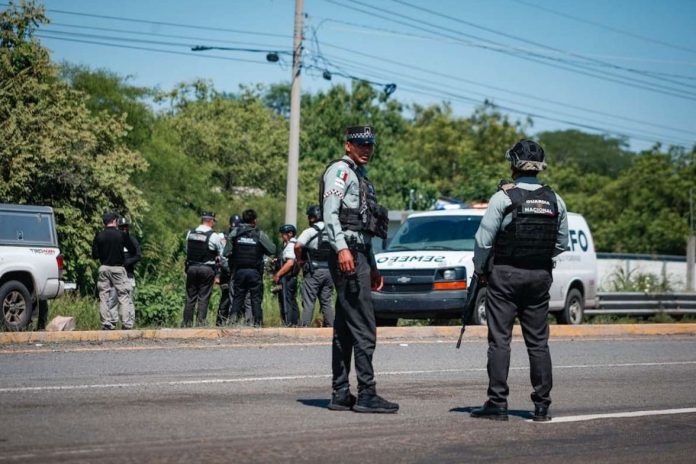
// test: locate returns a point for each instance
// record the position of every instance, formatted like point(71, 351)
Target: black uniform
point(246, 247)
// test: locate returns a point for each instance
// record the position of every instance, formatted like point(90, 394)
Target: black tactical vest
point(530, 238)
point(370, 217)
point(197, 251)
point(323, 251)
point(247, 252)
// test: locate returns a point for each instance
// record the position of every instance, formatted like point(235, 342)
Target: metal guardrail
point(644, 304)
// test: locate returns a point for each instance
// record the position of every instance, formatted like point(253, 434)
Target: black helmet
point(314, 211)
point(526, 155)
point(123, 222)
point(287, 228)
point(235, 220)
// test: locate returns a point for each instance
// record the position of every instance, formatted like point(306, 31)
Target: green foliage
point(634, 281)
point(54, 151)
point(85, 310)
point(159, 299)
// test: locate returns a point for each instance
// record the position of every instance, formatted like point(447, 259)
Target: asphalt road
point(266, 402)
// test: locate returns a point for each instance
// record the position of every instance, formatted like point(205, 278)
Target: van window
point(17, 228)
point(436, 233)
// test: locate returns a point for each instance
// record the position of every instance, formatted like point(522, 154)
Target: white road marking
point(615, 415)
point(315, 376)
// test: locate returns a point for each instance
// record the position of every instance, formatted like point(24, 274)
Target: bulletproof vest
point(323, 251)
point(530, 238)
point(247, 251)
point(369, 216)
point(197, 251)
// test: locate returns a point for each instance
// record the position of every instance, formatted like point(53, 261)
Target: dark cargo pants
point(199, 285)
point(317, 283)
point(523, 293)
point(247, 281)
point(355, 329)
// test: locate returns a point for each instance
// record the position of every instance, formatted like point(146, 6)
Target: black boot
point(541, 414)
point(342, 400)
point(491, 411)
point(372, 402)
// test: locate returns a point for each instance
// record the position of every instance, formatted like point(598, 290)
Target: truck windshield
point(436, 233)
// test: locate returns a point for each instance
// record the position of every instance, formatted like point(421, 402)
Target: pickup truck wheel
point(479, 316)
point(573, 310)
point(16, 304)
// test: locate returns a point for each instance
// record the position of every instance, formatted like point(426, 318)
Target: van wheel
point(479, 316)
point(17, 306)
point(573, 310)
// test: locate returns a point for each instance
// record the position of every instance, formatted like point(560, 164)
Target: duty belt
point(353, 245)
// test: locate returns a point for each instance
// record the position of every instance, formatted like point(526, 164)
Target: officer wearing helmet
point(353, 217)
point(286, 276)
point(524, 228)
point(226, 283)
point(312, 251)
point(131, 259)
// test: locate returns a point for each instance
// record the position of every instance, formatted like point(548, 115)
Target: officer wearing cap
point(312, 251)
point(203, 253)
point(524, 228)
point(245, 249)
point(353, 217)
point(130, 260)
point(286, 276)
point(226, 285)
point(108, 247)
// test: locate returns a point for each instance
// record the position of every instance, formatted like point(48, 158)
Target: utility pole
point(690, 246)
point(294, 143)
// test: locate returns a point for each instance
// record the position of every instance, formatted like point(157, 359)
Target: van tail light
point(450, 285)
point(61, 265)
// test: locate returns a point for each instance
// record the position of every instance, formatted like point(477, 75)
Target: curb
point(561, 331)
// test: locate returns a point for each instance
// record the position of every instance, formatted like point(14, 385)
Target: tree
point(54, 151)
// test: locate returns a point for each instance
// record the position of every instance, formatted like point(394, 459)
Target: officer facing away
point(524, 227)
point(312, 251)
point(131, 259)
point(107, 247)
point(226, 287)
point(353, 217)
point(203, 253)
point(286, 276)
point(245, 249)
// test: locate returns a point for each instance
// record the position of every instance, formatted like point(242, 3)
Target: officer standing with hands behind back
point(353, 217)
point(524, 227)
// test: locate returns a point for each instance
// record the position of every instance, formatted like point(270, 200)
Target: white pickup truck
point(428, 263)
point(31, 266)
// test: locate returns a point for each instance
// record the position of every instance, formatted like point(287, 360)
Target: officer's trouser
point(247, 281)
point(199, 285)
point(317, 283)
point(225, 306)
point(287, 300)
point(128, 319)
point(113, 277)
point(354, 326)
point(523, 293)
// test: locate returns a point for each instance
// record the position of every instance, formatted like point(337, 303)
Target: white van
point(429, 261)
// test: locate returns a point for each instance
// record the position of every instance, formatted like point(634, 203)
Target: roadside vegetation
point(87, 140)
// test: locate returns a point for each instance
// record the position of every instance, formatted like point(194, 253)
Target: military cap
point(360, 134)
point(207, 215)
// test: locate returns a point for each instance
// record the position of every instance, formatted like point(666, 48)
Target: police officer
point(226, 286)
point(353, 217)
point(131, 259)
point(203, 254)
point(245, 249)
point(107, 247)
point(286, 276)
point(524, 227)
point(312, 251)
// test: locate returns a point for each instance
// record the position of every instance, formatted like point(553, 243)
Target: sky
point(620, 67)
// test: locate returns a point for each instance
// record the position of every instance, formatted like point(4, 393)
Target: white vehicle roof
point(460, 212)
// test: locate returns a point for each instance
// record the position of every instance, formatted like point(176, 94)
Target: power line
point(522, 54)
point(609, 28)
point(532, 42)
